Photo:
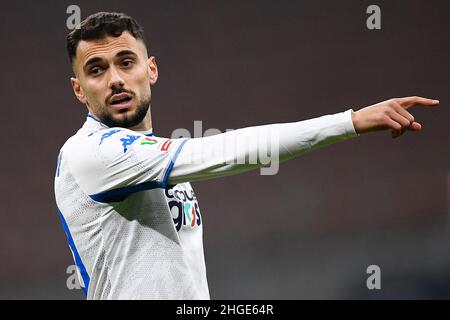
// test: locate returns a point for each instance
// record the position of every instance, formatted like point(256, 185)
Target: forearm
point(265, 146)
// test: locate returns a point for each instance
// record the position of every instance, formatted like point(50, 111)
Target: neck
point(145, 124)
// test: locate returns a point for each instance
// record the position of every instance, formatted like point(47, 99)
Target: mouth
point(120, 101)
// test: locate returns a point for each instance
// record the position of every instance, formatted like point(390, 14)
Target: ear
point(79, 93)
point(153, 69)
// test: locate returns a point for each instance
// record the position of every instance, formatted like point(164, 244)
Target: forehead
point(108, 47)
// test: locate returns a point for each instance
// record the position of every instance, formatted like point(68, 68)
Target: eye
point(95, 71)
point(127, 63)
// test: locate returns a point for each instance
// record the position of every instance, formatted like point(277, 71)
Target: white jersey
point(131, 217)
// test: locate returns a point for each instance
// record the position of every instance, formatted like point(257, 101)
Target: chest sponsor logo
point(184, 208)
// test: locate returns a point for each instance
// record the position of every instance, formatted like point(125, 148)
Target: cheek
point(95, 96)
point(96, 91)
point(144, 84)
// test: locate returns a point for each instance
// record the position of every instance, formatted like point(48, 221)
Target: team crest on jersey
point(184, 207)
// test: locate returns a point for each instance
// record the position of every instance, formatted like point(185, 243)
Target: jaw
point(136, 118)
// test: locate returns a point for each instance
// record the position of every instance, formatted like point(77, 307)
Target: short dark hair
point(100, 25)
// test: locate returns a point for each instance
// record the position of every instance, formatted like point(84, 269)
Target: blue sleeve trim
point(120, 194)
point(78, 260)
point(58, 163)
point(172, 162)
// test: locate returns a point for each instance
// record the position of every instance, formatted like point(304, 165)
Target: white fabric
point(131, 216)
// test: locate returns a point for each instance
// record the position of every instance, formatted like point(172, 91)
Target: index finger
point(411, 101)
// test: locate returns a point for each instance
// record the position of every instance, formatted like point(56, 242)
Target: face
point(113, 78)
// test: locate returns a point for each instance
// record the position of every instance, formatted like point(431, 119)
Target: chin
point(129, 118)
point(125, 117)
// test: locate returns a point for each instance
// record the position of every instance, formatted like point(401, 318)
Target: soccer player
point(131, 217)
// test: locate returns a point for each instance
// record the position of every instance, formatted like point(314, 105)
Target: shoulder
point(107, 139)
point(109, 146)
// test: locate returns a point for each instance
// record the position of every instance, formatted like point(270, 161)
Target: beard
point(127, 118)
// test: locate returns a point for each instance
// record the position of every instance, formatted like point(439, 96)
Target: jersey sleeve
point(258, 147)
point(113, 163)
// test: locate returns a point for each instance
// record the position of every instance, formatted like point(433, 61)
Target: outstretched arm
point(111, 169)
point(391, 114)
point(219, 155)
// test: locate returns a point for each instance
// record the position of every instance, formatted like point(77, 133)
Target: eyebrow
point(125, 53)
point(118, 55)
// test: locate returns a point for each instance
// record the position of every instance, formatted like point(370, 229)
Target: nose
point(115, 79)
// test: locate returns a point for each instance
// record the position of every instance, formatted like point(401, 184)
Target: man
point(131, 217)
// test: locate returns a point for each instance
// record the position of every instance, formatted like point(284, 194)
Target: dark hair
point(100, 25)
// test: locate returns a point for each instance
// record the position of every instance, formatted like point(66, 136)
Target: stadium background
point(311, 230)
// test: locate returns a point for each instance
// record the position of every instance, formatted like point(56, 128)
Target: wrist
point(355, 120)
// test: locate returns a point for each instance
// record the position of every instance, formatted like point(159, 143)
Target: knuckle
point(387, 111)
point(395, 105)
point(392, 105)
point(384, 118)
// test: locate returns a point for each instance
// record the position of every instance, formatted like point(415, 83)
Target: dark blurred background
point(308, 232)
